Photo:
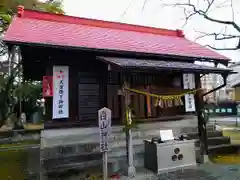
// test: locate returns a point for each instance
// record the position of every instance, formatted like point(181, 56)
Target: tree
point(205, 8)
point(52, 7)
point(12, 91)
point(6, 98)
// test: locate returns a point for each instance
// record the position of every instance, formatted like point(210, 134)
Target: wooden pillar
point(126, 101)
point(202, 130)
point(129, 144)
point(149, 110)
point(48, 100)
point(215, 83)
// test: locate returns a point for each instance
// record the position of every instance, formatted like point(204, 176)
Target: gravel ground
point(202, 172)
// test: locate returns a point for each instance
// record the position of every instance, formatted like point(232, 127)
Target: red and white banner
point(47, 86)
point(60, 92)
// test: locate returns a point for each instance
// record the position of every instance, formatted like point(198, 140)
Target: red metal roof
point(60, 30)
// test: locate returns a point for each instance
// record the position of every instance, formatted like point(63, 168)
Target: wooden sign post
point(104, 122)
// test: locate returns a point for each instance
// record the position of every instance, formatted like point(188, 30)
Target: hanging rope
point(165, 100)
point(164, 97)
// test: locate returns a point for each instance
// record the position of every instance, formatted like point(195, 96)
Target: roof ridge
point(47, 33)
point(34, 14)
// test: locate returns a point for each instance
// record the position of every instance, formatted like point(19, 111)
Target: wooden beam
point(149, 110)
point(202, 130)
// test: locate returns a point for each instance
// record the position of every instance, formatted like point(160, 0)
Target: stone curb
point(231, 129)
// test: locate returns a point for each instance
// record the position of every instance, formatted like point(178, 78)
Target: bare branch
point(188, 16)
point(191, 10)
point(210, 3)
point(233, 15)
point(144, 4)
point(204, 13)
point(126, 10)
point(223, 22)
point(217, 36)
point(220, 37)
point(222, 49)
point(223, 4)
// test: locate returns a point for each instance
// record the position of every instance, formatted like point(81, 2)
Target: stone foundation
point(78, 148)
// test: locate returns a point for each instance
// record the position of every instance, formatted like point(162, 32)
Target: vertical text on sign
point(189, 83)
point(60, 92)
point(104, 122)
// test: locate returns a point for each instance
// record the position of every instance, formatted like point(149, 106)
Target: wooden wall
point(92, 86)
point(160, 84)
point(87, 83)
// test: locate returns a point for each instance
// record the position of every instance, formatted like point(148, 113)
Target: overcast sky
point(157, 15)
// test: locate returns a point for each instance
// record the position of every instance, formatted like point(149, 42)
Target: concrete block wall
point(84, 142)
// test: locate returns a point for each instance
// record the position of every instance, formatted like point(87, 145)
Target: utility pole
point(215, 84)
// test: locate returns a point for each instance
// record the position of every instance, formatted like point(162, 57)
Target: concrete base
point(114, 167)
point(42, 176)
point(59, 145)
point(205, 159)
point(202, 159)
point(131, 172)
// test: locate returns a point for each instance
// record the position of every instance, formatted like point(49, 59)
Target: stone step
point(115, 137)
point(78, 165)
point(6, 134)
point(18, 140)
point(94, 138)
point(23, 132)
point(5, 140)
point(20, 147)
point(214, 133)
point(90, 135)
point(218, 149)
point(115, 150)
point(212, 148)
point(224, 149)
point(117, 154)
point(194, 135)
point(210, 127)
point(214, 141)
point(61, 165)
